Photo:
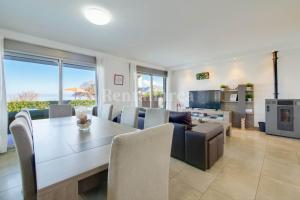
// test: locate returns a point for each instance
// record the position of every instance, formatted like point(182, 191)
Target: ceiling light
point(97, 16)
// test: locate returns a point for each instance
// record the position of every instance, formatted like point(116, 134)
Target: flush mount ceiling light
point(98, 16)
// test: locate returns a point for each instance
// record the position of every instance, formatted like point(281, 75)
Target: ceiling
point(170, 33)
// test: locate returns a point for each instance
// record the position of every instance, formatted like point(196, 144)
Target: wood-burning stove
point(283, 117)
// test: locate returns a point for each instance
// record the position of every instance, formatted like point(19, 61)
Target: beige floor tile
point(282, 143)
point(196, 178)
point(12, 194)
point(176, 166)
point(215, 195)
point(281, 156)
point(10, 181)
point(9, 163)
point(236, 184)
point(178, 190)
point(272, 189)
point(286, 172)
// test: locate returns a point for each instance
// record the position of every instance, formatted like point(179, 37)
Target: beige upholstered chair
point(26, 115)
point(24, 145)
point(129, 116)
point(139, 165)
point(155, 117)
point(60, 111)
point(106, 112)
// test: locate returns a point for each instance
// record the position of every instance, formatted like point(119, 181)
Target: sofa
point(199, 146)
point(181, 121)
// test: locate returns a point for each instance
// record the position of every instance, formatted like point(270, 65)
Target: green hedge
point(82, 103)
point(16, 106)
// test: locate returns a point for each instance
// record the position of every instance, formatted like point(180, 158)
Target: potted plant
point(249, 97)
point(249, 86)
point(223, 87)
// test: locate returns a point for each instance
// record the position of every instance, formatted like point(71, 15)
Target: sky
point(42, 78)
point(144, 81)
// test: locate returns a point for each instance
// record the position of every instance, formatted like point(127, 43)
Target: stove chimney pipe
point(275, 58)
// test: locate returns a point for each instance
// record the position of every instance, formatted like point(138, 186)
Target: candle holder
point(84, 117)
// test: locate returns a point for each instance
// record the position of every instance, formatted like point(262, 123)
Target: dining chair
point(155, 117)
point(129, 116)
point(139, 164)
point(24, 113)
point(24, 146)
point(106, 112)
point(56, 110)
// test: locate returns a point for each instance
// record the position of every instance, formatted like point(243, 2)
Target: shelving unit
point(239, 106)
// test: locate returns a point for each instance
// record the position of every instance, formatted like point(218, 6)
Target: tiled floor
point(254, 166)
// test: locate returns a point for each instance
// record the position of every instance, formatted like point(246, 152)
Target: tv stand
point(202, 115)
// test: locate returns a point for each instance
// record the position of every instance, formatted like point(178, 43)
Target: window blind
point(18, 47)
point(151, 71)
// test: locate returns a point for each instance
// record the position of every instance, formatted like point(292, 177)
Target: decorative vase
point(249, 99)
point(84, 117)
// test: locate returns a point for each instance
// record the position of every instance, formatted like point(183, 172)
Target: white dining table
point(64, 155)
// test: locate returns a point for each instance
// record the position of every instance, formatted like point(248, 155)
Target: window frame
point(60, 64)
point(151, 88)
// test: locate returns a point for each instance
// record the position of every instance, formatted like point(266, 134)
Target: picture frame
point(118, 79)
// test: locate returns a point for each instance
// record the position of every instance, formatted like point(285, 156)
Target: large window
point(36, 82)
point(79, 83)
point(151, 89)
point(31, 80)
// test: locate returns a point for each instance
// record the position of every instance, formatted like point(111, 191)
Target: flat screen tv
point(208, 99)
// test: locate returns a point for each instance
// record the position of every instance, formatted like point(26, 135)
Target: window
point(151, 86)
point(36, 82)
point(144, 90)
point(31, 82)
point(158, 98)
point(79, 83)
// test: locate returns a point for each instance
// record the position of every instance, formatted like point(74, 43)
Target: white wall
point(256, 69)
point(112, 64)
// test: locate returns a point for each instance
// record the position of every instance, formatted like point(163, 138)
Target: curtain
point(133, 84)
point(169, 94)
point(100, 84)
point(3, 105)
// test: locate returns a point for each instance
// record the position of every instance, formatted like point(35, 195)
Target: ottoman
point(204, 145)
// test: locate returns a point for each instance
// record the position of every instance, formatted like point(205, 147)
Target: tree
point(27, 96)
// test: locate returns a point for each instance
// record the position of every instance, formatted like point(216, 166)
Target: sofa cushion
point(209, 129)
point(182, 118)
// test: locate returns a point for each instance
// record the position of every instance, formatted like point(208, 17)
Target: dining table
point(64, 155)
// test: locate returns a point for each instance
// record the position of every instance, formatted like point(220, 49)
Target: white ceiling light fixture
point(96, 15)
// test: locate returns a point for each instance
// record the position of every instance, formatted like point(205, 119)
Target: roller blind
point(151, 71)
point(13, 46)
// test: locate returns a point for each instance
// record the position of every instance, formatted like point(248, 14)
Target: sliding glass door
point(79, 84)
point(31, 82)
point(151, 91)
point(36, 82)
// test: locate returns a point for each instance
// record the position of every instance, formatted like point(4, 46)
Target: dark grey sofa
point(199, 146)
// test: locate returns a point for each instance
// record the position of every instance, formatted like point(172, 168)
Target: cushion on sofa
point(181, 118)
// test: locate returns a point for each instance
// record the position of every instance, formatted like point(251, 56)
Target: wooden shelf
point(229, 101)
point(230, 90)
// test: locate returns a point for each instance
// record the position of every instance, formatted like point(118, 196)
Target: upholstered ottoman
point(204, 145)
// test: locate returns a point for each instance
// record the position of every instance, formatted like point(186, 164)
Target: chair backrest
point(155, 117)
point(106, 112)
point(129, 116)
point(24, 145)
point(24, 113)
point(139, 164)
point(56, 110)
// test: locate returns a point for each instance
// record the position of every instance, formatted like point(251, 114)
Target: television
point(206, 99)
